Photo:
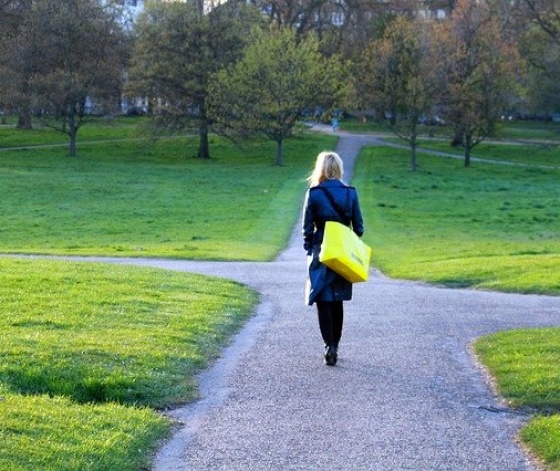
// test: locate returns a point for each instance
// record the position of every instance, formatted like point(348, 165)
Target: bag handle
point(335, 205)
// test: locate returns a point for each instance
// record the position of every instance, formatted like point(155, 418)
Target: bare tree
point(546, 14)
point(344, 26)
point(537, 24)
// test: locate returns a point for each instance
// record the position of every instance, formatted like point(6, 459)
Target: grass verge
point(525, 365)
point(88, 350)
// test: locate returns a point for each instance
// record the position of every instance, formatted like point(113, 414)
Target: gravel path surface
point(405, 395)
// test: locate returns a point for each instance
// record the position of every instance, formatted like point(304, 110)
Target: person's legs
point(325, 315)
point(337, 315)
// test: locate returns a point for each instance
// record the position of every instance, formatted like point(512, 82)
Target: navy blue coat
point(323, 284)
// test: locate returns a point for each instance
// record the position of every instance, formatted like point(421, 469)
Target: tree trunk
point(24, 120)
point(468, 147)
point(72, 133)
point(457, 140)
point(279, 152)
point(413, 164)
point(24, 116)
point(413, 141)
point(203, 145)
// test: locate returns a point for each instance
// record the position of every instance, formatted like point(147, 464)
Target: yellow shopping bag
point(344, 252)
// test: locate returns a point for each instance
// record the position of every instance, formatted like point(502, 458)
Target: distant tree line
point(242, 67)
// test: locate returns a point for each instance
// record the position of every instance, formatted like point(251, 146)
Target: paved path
point(405, 395)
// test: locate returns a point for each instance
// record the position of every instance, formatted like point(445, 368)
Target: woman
point(328, 199)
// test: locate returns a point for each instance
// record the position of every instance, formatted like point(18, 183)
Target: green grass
point(526, 366)
point(535, 155)
point(490, 226)
point(531, 130)
point(98, 129)
point(56, 434)
point(526, 362)
point(86, 348)
point(520, 131)
point(133, 199)
point(542, 434)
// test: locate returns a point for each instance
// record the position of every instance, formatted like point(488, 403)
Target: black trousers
point(331, 318)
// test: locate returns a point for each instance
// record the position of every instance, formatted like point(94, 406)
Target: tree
point(395, 78)
point(79, 70)
point(477, 68)
point(179, 45)
point(18, 56)
point(271, 87)
point(538, 22)
point(343, 26)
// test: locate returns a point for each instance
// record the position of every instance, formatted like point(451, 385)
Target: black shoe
point(331, 356)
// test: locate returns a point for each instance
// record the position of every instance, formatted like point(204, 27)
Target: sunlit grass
point(56, 434)
point(526, 364)
point(542, 434)
point(96, 332)
point(87, 347)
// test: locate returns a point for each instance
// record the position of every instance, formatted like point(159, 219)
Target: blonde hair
point(327, 166)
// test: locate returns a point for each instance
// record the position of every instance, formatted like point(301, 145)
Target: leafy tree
point(395, 78)
point(79, 70)
point(271, 87)
point(477, 66)
point(179, 46)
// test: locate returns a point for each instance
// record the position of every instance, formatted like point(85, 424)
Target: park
point(152, 272)
point(94, 352)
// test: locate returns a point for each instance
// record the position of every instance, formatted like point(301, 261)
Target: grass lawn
point(490, 227)
point(542, 154)
point(98, 129)
point(90, 350)
point(130, 199)
point(526, 366)
point(520, 131)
